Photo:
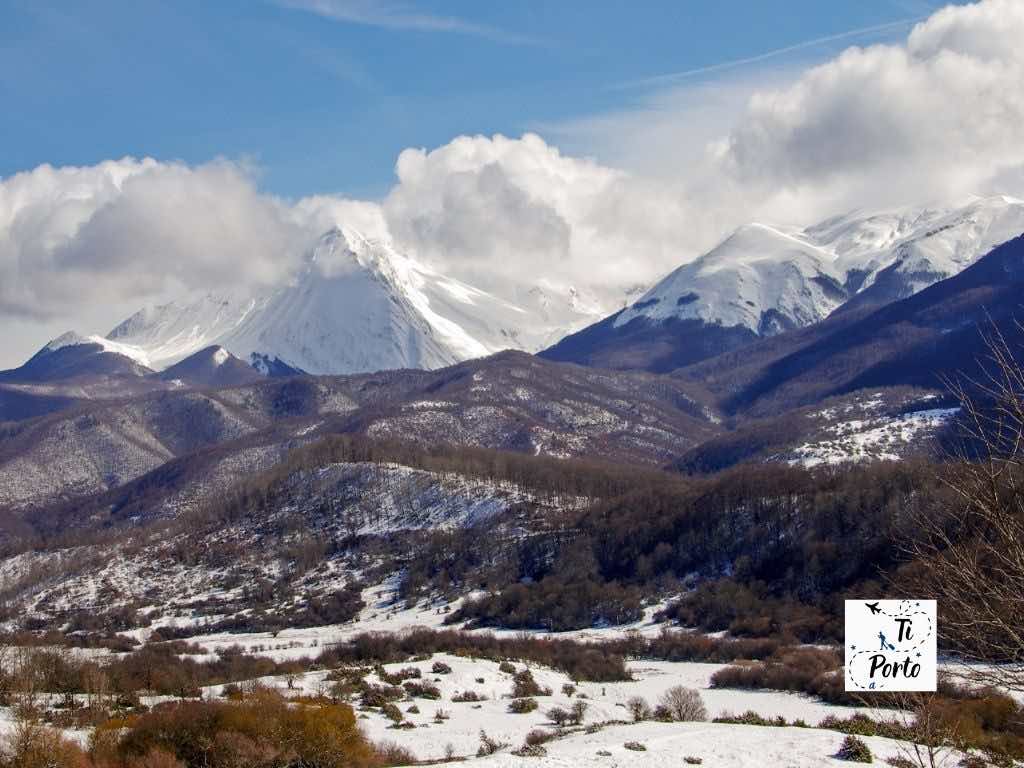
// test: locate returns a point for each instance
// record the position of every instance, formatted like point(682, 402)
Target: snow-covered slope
point(357, 305)
point(897, 253)
point(73, 339)
point(767, 279)
point(761, 278)
point(168, 333)
point(210, 367)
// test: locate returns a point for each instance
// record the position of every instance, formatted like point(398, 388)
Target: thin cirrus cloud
point(671, 78)
point(393, 15)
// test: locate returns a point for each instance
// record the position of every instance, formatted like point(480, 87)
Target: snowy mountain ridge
point(769, 279)
point(760, 277)
point(356, 305)
point(73, 339)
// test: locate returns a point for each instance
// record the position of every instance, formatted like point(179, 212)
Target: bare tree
point(970, 553)
point(639, 708)
point(28, 681)
point(6, 673)
point(683, 704)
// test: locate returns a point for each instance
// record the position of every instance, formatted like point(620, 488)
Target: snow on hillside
point(768, 279)
point(357, 305)
point(453, 737)
point(760, 278)
point(920, 245)
point(334, 501)
point(666, 745)
point(868, 430)
point(606, 702)
point(72, 339)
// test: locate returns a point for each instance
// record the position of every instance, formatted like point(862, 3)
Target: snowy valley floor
point(456, 733)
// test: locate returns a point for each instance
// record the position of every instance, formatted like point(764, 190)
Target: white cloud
point(137, 228)
point(939, 116)
point(933, 118)
point(488, 206)
point(398, 15)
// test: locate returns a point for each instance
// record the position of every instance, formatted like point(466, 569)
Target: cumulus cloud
point(941, 115)
point(502, 213)
point(930, 119)
point(136, 228)
point(482, 204)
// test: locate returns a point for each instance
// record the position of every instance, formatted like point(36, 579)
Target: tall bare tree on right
point(970, 552)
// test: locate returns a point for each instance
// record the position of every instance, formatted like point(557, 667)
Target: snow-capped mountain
point(769, 279)
point(894, 254)
point(763, 280)
point(210, 367)
point(357, 305)
point(72, 355)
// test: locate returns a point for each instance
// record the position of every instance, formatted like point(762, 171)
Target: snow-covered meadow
point(460, 729)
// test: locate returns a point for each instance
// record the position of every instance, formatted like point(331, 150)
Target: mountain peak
point(211, 366)
point(357, 305)
point(67, 339)
point(764, 279)
point(75, 339)
point(761, 278)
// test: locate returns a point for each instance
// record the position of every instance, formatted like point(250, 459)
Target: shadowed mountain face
point(510, 401)
point(75, 370)
point(62, 374)
point(919, 341)
point(74, 360)
point(646, 345)
point(213, 366)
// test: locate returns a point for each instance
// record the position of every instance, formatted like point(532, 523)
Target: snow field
point(717, 745)
point(429, 739)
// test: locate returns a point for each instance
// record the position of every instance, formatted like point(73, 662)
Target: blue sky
point(322, 95)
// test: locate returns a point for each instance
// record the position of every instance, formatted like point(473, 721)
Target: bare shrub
point(539, 736)
point(422, 690)
point(522, 706)
point(394, 754)
point(468, 696)
point(577, 711)
point(683, 704)
point(639, 709)
point(559, 716)
point(33, 746)
point(489, 746)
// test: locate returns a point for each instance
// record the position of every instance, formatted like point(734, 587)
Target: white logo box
point(890, 645)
